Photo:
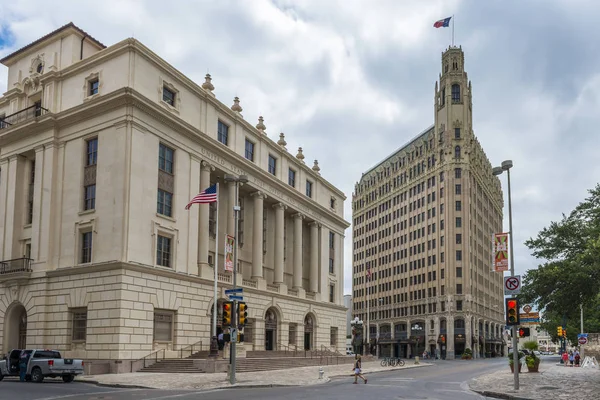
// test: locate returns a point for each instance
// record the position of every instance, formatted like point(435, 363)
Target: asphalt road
point(446, 380)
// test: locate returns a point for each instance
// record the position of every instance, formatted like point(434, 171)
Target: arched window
point(455, 93)
point(457, 152)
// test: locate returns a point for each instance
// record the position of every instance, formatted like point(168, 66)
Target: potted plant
point(532, 361)
point(467, 354)
point(511, 361)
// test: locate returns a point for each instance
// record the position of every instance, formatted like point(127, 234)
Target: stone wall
point(592, 348)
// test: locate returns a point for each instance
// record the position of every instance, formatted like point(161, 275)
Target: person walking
point(565, 358)
point(23, 361)
point(358, 370)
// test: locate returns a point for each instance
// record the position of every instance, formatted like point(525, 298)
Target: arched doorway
point(270, 329)
point(15, 327)
point(309, 329)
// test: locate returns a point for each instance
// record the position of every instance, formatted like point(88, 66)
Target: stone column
point(298, 251)
point(468, 333)
point(450, 338)
point(257, 236)
point(314, 257)
point(279, 256)
point(230, 205)
point(205, 169)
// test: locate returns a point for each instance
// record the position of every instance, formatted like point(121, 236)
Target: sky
point(350, 80)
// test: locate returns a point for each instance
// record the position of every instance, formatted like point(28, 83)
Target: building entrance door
point(269, 336)
point(270, 330)
point(307, 340)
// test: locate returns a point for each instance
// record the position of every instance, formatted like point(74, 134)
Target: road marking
point(88, 394)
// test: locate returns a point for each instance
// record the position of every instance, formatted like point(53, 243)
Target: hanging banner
point(500, 252)
point(229, 242)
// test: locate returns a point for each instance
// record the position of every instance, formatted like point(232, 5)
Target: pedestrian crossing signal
point(512, 311)
point(524, 332)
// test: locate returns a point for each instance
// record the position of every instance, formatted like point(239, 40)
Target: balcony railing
point(22, 116)
point(16, 265)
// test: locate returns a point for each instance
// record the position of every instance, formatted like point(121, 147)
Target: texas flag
point(442, 23)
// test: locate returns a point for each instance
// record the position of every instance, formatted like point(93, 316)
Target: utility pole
point(581, 331)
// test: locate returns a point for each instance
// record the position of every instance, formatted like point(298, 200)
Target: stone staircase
point(180, 366)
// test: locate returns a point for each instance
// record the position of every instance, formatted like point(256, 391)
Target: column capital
point(205, 165)
point(280, 206)
point(259, 195)
point(298, 215)
point(314, 224)
point(39, 149)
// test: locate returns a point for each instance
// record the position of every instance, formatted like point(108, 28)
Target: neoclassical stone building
point(101, 148)
point(423, 222)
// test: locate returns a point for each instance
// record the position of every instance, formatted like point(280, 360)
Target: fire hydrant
point(321, 372)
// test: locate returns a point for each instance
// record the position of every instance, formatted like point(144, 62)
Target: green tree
point(570, 272)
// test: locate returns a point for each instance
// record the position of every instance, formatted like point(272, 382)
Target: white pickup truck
point(41, 364)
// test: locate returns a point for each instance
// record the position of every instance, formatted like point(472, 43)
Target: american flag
point(206, 196)
point(368, 271)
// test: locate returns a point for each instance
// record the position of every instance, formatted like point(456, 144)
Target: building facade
point(101, 148)
point(423, 220)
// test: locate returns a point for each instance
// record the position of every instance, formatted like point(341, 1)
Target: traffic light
point(559, 330)
point(227, 309)
point(242, 313)
point(524, 332)
point(512, 311)
point(565, 332)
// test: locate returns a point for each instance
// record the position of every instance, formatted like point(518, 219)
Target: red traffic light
point(511, 303)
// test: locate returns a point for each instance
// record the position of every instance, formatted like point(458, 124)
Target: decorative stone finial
point(207, 85)
point(236, 105)
point(261, 126)
point(300, 156)
point(281, 140)
point(316, 167)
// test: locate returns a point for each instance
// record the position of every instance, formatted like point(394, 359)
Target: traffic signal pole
point(233, 331)
point(512, 273)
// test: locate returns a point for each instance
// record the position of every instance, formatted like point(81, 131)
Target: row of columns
point(257, 235)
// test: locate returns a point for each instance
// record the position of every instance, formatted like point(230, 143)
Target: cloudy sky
point(351, 80)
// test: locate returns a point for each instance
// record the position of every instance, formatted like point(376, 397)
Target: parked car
point(41, 364)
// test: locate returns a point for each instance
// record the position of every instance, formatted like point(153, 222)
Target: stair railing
point(190, 348)
point(154, 355)
point(287, 349)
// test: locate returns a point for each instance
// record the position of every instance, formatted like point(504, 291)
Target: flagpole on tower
point(216, 265)
point(452, 30)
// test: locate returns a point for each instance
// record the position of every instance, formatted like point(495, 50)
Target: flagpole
point(452, 30)
point(216, 264)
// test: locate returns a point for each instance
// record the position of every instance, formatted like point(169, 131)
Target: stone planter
point(512, 368)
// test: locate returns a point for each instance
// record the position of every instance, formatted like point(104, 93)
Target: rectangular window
point(457, 173)
point(30, 197)
point(165, 158)
point(456, 130)
point(333, 336)
point(292, 177)
point(93, 86)
point(292, 334)
point(457, 189)
point(458, 222)
point(459, 272)
point(86, 247)
point(168, 96)
point(91, 152)
point(331, 240)
point(458, 255)
point(458, 238)
point(163, 251)
point(309, 188)
point(331, 271)
point(459, 288)
point(89, 201)
point(79, 321)
point(331, 293)
point(458, 205)
point(223, 133)
point(163, 326)
point(459, 305)
point(249, 150)
point(272, 165)
point(164, 203)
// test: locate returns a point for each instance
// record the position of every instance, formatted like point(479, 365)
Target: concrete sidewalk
point(552, 382)
point(303, 376)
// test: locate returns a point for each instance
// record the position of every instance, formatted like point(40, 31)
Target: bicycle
point(392, 362)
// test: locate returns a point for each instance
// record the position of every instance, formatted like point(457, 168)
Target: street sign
point(232, 291)
point(527, 308)
point(582, 338)
point(234, 333)
point(234, 297)
point(512, 285)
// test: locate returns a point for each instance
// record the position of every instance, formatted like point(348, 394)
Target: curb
point(112, 385)
point(498, 395)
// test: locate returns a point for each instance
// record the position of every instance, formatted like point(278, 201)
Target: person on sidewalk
point(358, 370)
point(565, 358)
point(577, 358)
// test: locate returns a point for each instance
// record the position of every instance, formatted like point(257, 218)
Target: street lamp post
point(237, 180)
point(506, 166)
point(357, 326)
point(417, 328)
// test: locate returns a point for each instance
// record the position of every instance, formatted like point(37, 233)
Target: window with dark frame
point(331, 293)
point(456, 93)
point(91, 152)
point(79, 327)
point(89, 199)
point(31, 191)
point(309, 188)
point(249, 150)
point(163, 251)
point(165, 158)
point(86, 247)
point(223, 133)
point(163, 326)
point(93, 86)
point(164, 203)
point(456, 133)
point(292, 177)
point(457, 173)
point(168, 96)
point(272, 165)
